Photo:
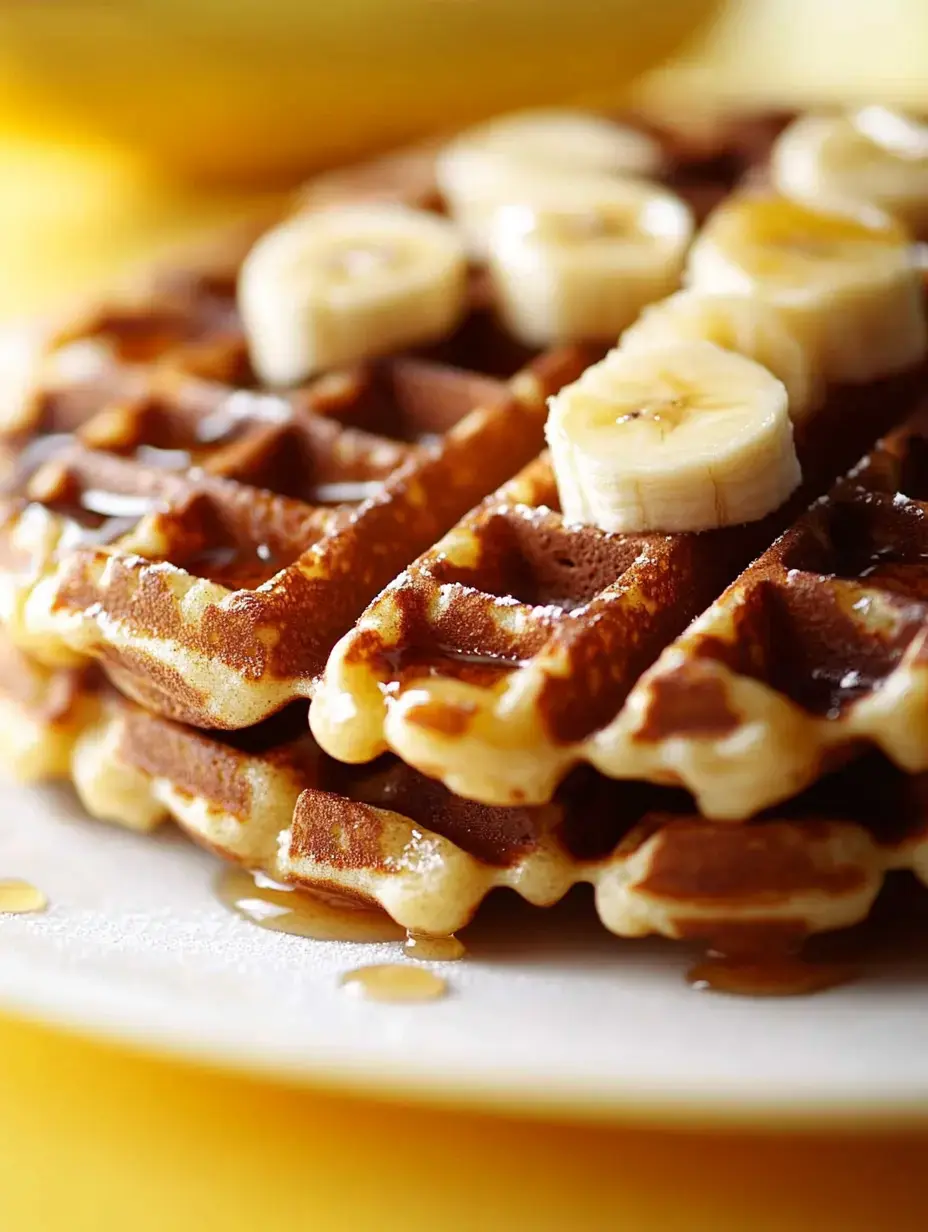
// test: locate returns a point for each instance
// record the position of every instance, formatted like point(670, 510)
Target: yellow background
point(95, 1141)
point(92, 1138)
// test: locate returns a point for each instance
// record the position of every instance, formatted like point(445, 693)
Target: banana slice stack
point(575, 240)
point(575, 246)
point(688, 424)
point(873, 156)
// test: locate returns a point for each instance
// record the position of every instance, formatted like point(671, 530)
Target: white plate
point(546, 1012)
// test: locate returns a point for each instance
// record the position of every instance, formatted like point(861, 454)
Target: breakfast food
point(683, 437)
point(580, 260)
point(307, 479)
point(874, 155)
point(269, 799)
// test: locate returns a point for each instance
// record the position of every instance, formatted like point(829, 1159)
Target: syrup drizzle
point(770, 975)
point(323, 917)
point(433, 949)
point(20, 898)
point(394, 982)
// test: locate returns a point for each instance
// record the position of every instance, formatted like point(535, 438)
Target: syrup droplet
point(767, 976)
point(395, 982)
point(283, 909)
point(433, 949)
point(19, 898)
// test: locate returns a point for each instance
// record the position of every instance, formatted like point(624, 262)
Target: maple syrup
point(319, 916)
point(774, 975)
point(395, 982)
point(433, 949)
point(20, 898)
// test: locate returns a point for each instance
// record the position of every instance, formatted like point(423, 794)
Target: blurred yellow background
point(251, 90)
point(125, 127)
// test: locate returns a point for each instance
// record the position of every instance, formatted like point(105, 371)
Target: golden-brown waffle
point(491, 661)
point(267, 798)
point(207, 540)
point(816, 651)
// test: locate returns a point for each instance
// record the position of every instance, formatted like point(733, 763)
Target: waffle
point(815, 652)
point(269, 799)
point(181, 549)
point(204, 599)
point(180, 530)
point(493, 659)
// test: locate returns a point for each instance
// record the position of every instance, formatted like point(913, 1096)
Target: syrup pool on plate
point(395, 982)
point(786, 975)
point(284, 909)
point(20, 898)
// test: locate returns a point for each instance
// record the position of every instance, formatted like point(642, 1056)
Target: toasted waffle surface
point(492, 660)
point(269, 799)
point(207, 539)
point(215, 593)
point(816, 651)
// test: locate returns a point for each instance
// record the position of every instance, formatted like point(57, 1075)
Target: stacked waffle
point(304, 479)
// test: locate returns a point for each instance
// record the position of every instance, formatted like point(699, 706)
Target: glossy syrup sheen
point(433, 949)
point(767, 976)
point(321, 917)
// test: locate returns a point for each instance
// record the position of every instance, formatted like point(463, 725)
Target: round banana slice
point(684, 438)
point(582, 260)
point(484, 166)
point(847, 284)
point(875, 156)
point(330, 288)
point(743, 323)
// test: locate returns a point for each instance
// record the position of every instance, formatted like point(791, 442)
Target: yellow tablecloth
point(94, 1139)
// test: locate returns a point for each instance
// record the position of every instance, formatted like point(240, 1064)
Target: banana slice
point(523, 152)
point(329, 288)
point(684, 438)
point(875, 156)
point(584, 258)
point(847, 284)
point(743, 323)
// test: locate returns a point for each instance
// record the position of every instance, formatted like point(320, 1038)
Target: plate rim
point(528, 1095)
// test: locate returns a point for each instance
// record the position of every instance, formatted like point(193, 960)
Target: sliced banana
point(743, 323)
point(484, 166)
point(875, 156)
point(684, 438)
point(846, 283)
point(582, 259)
point(330, 288)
